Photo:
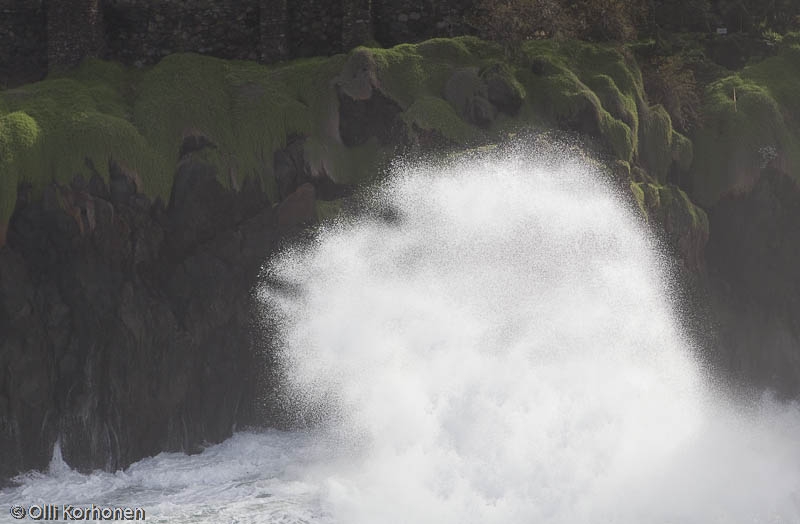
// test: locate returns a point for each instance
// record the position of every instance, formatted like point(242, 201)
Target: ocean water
point(504, 349)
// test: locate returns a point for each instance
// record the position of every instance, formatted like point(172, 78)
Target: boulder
point(754, 264)
point(298, 208)
point(126, 327)
point(503, 90)
point(469, 96)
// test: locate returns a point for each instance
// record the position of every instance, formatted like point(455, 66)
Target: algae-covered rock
point(327, 210)
point(503, 89)
point(752, 122)
point(353, 113)
point(298, 207)
point(469, 96)
point(656, 142)
point(684, 225)
point(754, 253)
point(588, 88)
point(126, 325)
point(359, 76)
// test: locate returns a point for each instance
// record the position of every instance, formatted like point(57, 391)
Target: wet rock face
point(469, 96)
point(376, 116)
point(125, 324)
point(502, 90)
point(364, 110)
point(754, 261)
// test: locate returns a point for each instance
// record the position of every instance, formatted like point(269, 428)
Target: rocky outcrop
point(682, 225)
point(126, 323)
point(754, 264)
point(469, 96)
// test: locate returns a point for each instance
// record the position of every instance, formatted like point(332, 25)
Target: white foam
point(504, 352)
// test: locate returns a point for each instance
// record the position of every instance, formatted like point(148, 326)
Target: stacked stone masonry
point(38, 36)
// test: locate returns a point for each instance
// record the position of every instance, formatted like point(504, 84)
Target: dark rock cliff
point(125, 322)
point(754, 269)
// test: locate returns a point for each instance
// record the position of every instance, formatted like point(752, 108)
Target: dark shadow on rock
point(754, 261)
point(376, 116)
point(127, 327)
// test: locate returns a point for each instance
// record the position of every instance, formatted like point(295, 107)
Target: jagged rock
point(684, 225)
point(292, 170)
point(754, 261)
point(503, 90)
point(359, 76)
point(361, 119)
point(469, 96)
point(364, 110)
point(194, 141)
point(290, 166)
point(126, 331)
point(298, 208)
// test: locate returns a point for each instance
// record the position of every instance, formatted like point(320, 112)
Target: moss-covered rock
point(590, 88)
point(752, 121)
point(469, 96)
point(684, 225)
point(354, 113)
point(656, 142)
point(502, 88)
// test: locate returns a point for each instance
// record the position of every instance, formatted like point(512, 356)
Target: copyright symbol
point(18, 512)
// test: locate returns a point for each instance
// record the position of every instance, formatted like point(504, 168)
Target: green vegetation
point(430, 113)
point(761, 126)
point(513, 22)
point(596, 88)
point(328, 209)
point(76, 123)
point(19, 138)
point(670, 206)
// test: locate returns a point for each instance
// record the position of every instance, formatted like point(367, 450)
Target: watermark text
point(69, 512)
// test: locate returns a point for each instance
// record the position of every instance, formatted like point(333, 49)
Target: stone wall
point(397, 21)
point(23, 41)
point(139, 33)
point(38, 36)
point(74, 31)
point(273, 28)
point(315, 28)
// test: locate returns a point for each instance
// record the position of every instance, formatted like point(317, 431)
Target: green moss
point(328, 210)
point(761, 127)
point(656, 142)
point(450, 50)
point(20, 137)
point(496, 70)
point(81, 127)
point(575, 79)
point(617, 135)
point(347, 165)
point(621, 106)
point(102, 111)
point(139, 118)
point(682, 151)
point(402, 74)
point(435, 114)
point(638, 195)
point(669, 204)
point(482, 49)
point(738, 139)
point(410, 71)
